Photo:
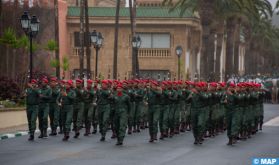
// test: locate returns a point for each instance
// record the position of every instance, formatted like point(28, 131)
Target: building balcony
point(154, 53)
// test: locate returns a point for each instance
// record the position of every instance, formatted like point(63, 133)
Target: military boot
point(41, 134)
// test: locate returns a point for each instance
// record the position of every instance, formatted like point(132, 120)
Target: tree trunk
point(132, 35)
point(116, 40)
point(218, 55)
point(13, 63)
point(7, 61)
point(56, 33)
point(236, 49)
point(206, 11)
point(87, 41)
point(81, 52)
point(210, 47)
point(229, 48)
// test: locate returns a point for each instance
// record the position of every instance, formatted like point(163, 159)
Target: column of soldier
point(207, 109)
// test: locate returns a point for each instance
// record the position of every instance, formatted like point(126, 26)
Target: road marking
point(273, 122)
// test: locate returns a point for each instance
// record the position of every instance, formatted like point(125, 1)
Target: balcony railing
point(162, 53)
point(76, 51)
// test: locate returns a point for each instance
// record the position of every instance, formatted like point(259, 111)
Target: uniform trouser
point(205, 112)
point(138, 113)
point(60, 121)
point(182, 111)
point(43, 116)
point(103, 115)
point(67, 116)
point(163, 119)
point(242, 119)
point(214, 116)
point(177, 115)
point(187, 113)
point(261, 113)
point(120, 123)
point(78, 115)
point(153, 118)
point(54, 115)
point(197, 118)
point(131, 115)
point(232, 128)
point(88, 114)
point(238, 116)
point(111, 116)
point(32, 113)
point(174, 116)
point(94, 116)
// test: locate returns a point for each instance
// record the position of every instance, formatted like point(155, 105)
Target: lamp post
point(97, 41)
point(136, 43)
point(178, 51)
point(31, 26)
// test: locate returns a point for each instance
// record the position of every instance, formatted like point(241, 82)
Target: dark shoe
point(102, 139)
point(76, 135)
point(66, 137)
point(113, 136)
point(162, 136)
point(41, 135)
point(155, 137)
point(151, 140)
point(31, 138)
point(119, 144)
point(87, 132)
point(94, 132)
point(129, 132)
point(45, 133)
point(230, 143)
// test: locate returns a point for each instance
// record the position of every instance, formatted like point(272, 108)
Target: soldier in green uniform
point(68, 96)
point(164, 110)
point(32, 102)
point(103, 102)
point(54, 109)
point(153, 97)
point(95, 111)
point(89, 98)
point(185, 107)
point(130, 92)
point(260, 106)
point(78, 107)
point(174, 109)
point(139, 105)
point(45, 96)
point(230, 104)
point(122, 108)
point(197, 112)
point(187, 117)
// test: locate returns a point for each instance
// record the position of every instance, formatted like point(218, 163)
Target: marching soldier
point(164, 110)
point(68, 96)
point(139, 104)
point(78, 107)
point(90, 96)
point(32, 102)
point(122, 107)
point(153, 97)
point(103, 102)
point(54, 109)
point(45, 96)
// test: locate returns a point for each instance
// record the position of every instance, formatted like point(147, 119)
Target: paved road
point(137, 150)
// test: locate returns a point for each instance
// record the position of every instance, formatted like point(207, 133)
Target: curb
point(17, 134)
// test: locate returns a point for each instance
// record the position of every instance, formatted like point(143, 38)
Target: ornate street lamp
point(136, 43)
point(97, 41)
point(31, 28)
point(179, 52)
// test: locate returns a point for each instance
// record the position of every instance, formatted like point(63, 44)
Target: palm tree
point(87, 41)
point(56, 30)
point(65, 65)
point(115, 52)
point(8, 40)
point(233, 13)
point(81, 52)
